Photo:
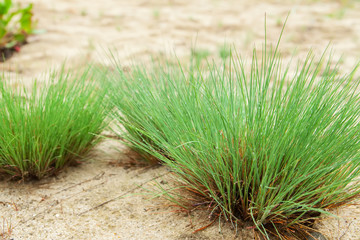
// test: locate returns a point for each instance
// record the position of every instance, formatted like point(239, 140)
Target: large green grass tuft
point(51, 126)
point(249, 142)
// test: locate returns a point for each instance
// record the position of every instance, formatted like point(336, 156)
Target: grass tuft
point(249, 142)
point(50, 127)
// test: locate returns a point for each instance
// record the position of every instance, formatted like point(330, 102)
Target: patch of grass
point(249, 38)
point(123, 101)
point(225, 52)
point(220, 24)
point(50, 127)
point(156, 14)
point(198, 55)
point(84, 12)
point(338, 13)
point(249, 142)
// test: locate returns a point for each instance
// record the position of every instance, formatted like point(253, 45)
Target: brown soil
point(6, 53)
point(98, 200)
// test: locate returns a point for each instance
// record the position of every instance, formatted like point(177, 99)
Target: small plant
point(198, 55)
point(16, 24)
point(225, 52)
point(249, 143)
point(338, 13)
point(51, 127)
point(156, 14)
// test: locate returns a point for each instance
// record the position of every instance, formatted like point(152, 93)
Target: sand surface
point(98, 200)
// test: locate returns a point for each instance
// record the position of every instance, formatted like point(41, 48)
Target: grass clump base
point(51, 126)
point(249, 142)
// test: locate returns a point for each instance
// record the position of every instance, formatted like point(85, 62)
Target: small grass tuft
point(199, 55)
point(50, 127)
point(224, 52)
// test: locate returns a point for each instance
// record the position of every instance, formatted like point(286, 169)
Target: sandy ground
point(68, 206)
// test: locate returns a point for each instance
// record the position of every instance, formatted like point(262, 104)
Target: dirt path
point(63, 207)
